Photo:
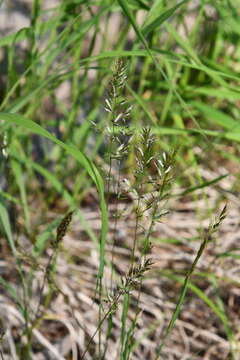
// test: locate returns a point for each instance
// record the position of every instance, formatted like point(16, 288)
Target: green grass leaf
point(203, 185)
point(6, 227)
point(82, 159)
point(223, 93)
point(128, 13)
point(214, 307)
point(58, 186)
point(154, 24)
point(217, 117)
point(11, 39)
point(183, 42)
point(19, 177)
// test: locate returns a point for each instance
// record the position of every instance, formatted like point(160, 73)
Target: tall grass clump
point(168, 142)
point(149, 184)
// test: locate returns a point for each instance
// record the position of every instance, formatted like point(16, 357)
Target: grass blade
point(217, 116)
point(127, 11)
point(5, 222)
point(160, 19)
point(83, 160)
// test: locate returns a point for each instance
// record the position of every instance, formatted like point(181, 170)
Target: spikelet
point(135, 274)
point(120, 110)
point(213, 227)
point(62, 229)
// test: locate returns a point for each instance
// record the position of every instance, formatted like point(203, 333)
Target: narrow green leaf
point(8, 197)
point(83, 160)
point(127, 11)
point(141, 102)
point(201, 186)
point(157, 8)
point(58, 186)
point(202, 296)
point(230, 254)
point(160, 19)
point(217, 93)
point(19, 103)
point(10, 289)
point(183, 42)
point(142, 4)
point(42, 239)
point(19, 177)
point(8, 40)
point(217, 116)
point(5, 222)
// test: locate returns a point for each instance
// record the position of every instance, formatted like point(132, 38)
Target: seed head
point(62, 228)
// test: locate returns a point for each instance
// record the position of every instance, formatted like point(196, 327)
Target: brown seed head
point(62, 227)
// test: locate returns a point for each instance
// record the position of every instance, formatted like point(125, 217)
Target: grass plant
point(125, 111)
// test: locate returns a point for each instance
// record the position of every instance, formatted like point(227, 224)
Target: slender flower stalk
point(61, 231)
point(128, 283)
point(207, 237)
point(153, 177)
point(119, 137)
